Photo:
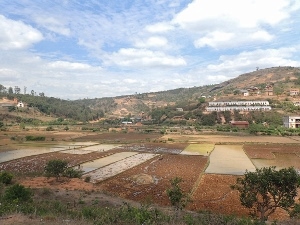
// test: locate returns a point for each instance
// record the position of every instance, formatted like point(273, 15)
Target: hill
point(281, 80)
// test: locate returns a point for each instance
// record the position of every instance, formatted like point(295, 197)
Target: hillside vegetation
point(161, 106)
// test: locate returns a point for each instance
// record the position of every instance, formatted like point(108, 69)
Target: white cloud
point(130, 81)
point(214, 39)
point(261, 35)
point(53, 24)
point(260, 58)
point(8, 74)
point(246, 13)
point(17, 35)
point(161, 27)
point(152, 42)
point(230, 23)
point(68, 65)
point(131, 57)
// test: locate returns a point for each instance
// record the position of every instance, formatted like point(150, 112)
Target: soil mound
point(143, 179)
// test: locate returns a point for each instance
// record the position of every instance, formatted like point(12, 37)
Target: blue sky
point(75, 49)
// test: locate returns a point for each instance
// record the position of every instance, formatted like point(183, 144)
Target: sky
point(76, 49)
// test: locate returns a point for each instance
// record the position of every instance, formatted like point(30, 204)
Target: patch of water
point(281, 160)
point(95, 164)
point(89, 149)
point(119, 166)
point(229, 159)
point(20, 153)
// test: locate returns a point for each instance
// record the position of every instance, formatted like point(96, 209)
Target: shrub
point(18, 193)
point(72, 173)
point(50, 128)
point(177, 197)
point(87, 179)
point(5, 177)
point(55, 168)
point(35, 138)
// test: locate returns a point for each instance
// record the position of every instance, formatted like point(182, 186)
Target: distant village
point(212, 106)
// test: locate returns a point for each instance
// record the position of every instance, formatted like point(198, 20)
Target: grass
point(202, 149)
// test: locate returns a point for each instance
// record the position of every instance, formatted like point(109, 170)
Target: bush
point(6, 177)
point(50, 128)
point(35, 138)
point(55, 168)
point(18, 193)
point(87, 179)
point(72, 173)
point(177, 197)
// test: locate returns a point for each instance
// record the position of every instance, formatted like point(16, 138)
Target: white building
point(238, 103)
point(239, 106)
point(20, 104)
point(291, 121)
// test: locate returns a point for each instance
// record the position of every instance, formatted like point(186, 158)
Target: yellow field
point(198, 149)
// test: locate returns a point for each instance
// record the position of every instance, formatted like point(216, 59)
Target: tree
point(209, 120)
point(201, 100)
point(2, 89)
point(267, 189)
point(10, 90)
point(55, 168)
point(176, 196)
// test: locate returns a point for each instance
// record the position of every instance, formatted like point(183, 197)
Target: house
point(179, 109)
point(296, 103)
point(239, 124)
point(269, 90)
point(291, 121)
point(253, 90)
point(20, 105)
point(244, 93)
point(294, 92)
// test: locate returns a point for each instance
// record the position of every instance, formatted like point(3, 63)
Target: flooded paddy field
point(229, 159)
point(198, 149)
point(280, 160)
point(109, 159)
point(281, 156)
point(128, 161)
point(29, 149)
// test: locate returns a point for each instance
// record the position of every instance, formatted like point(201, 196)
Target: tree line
point(75, 110)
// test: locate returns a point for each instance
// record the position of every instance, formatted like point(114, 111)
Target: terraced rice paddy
point(229, 159)
point(20, 153)
point(129, 160)
point(281, 160)
point(198, 149)
point(89, 149)
point(95, 164)
point(141, 171)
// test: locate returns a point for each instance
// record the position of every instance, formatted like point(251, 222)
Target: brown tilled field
point(263, 151)
point(148, 181)
point(119, 137)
